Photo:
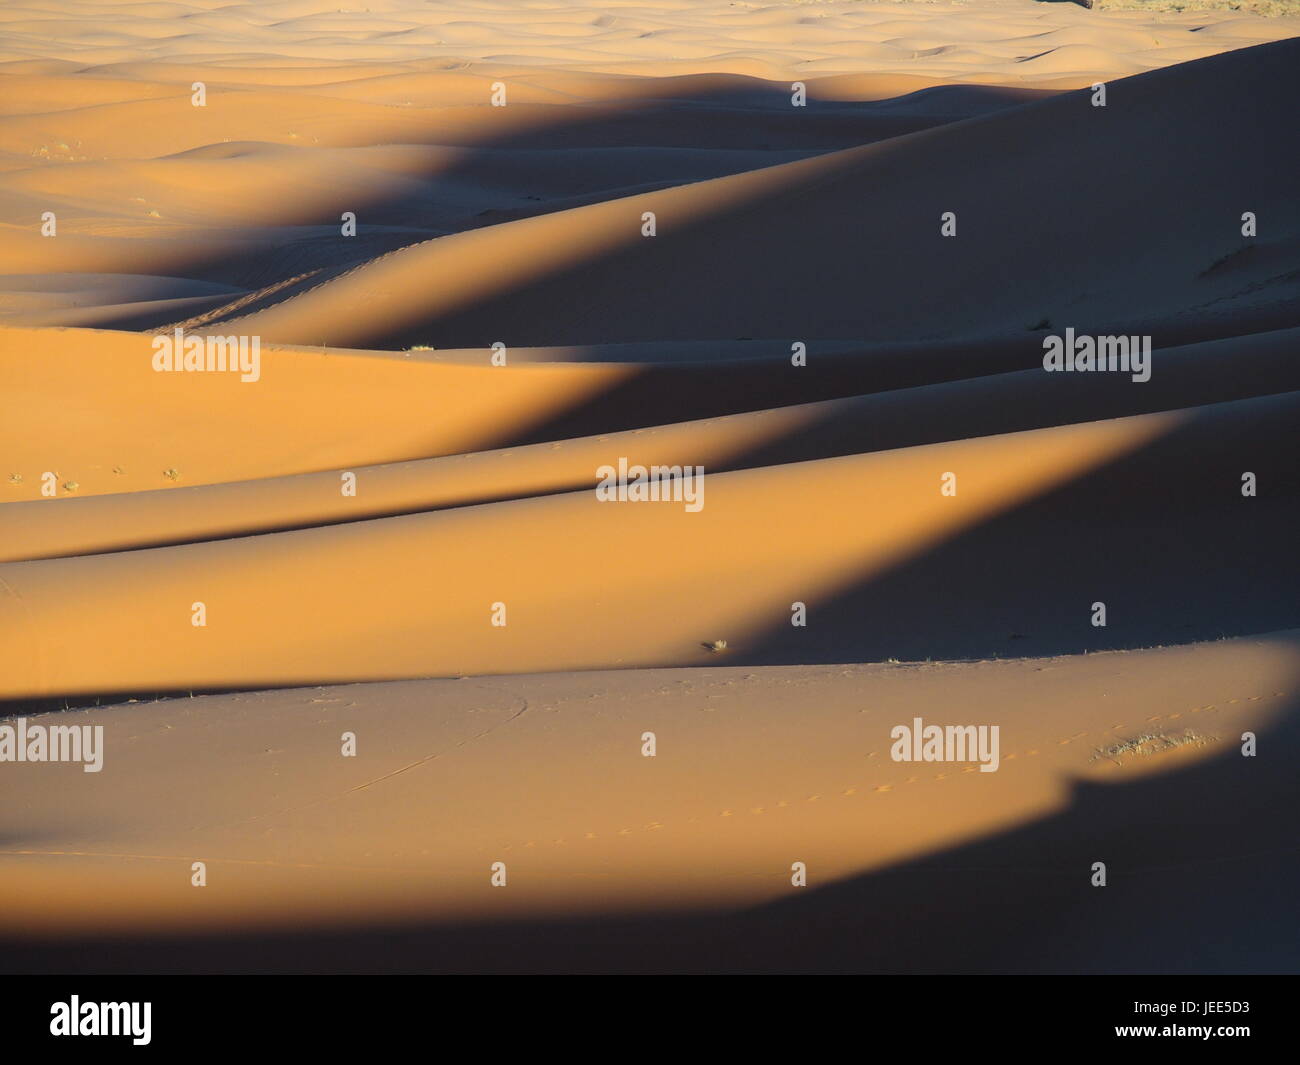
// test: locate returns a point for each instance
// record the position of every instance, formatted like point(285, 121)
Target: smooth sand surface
point(754, 770)
point(128, 497)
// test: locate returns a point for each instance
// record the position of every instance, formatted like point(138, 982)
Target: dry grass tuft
point(1150, 743)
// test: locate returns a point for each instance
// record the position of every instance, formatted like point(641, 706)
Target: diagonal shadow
point(1022, 583)
point(1203, 867)
point(742, 123)
point(1161, 535)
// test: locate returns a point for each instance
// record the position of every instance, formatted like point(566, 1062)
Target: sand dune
point(703, 37)
point(507, 281)
point(83, 523)
point(418, 595)
point(388, 525)
point(755, 769)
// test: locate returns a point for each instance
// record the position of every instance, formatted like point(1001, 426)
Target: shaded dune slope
point(1185, 376)
point(649, 585)
point(1025, 184)
point(474, 480)
point(681, 861)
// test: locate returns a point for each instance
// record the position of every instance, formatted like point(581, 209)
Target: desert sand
point(497, 327)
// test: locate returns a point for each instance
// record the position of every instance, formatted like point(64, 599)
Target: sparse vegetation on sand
point(1150, 743)
point(1267, 8)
